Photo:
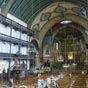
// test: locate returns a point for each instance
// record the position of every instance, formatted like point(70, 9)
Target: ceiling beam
point(6, 7)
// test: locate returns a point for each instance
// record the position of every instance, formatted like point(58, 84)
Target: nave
point(73, 80)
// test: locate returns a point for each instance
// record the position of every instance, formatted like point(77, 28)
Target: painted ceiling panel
point(15, 5)
point(39, 7)
point(20, 7)
point(30, 14)
point(25, 9)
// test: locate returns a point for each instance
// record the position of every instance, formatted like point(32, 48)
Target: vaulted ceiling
point(43, 14)
point(26, 10)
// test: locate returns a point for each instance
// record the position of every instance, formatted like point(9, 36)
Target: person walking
point(41, 82)
point(11, 82)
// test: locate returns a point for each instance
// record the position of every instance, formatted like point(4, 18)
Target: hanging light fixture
point(66, 21)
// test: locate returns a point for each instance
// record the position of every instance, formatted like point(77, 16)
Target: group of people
point(50, 81)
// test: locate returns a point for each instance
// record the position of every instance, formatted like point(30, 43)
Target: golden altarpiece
point(69, 47)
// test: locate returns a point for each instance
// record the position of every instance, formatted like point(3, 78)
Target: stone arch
point(35, 43)
point(75, 18)
point(79, 28)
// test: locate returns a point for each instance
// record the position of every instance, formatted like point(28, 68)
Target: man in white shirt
point(50, 80)
point(41, 82)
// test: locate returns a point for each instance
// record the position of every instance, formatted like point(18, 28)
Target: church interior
point(44, 40)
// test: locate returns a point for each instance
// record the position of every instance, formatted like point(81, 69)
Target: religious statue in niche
point(81, 44)
point(60, 58)
point(36, 30)
point(46, 50)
